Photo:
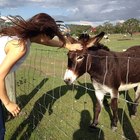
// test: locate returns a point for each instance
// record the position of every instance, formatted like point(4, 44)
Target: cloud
point(6, 4)
point(103, 10)
point(83, 10)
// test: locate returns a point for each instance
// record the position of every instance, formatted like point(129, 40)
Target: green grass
point(51, 110)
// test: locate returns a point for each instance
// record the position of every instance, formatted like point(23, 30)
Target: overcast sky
point(78, 11)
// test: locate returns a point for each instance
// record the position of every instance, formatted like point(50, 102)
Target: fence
point(51, 110)
point(11, 86)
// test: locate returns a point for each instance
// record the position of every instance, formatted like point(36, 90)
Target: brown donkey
point(110, 72)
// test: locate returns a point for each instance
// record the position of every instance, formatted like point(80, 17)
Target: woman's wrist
point(67, 46)
point(6, 103)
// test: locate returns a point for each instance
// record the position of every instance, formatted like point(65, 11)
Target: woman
point(15, 45)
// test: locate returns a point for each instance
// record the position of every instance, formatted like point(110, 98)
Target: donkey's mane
point(98, 47)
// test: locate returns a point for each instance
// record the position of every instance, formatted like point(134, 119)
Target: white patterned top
point(3, 42)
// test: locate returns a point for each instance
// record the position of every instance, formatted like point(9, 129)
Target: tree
point(131, 25)
point(118, 28)
point(108, 27)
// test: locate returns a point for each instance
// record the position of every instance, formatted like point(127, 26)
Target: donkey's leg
point(136, 101)
point(99, 104)
point(114, 107)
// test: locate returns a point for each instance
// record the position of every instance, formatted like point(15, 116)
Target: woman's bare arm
point(55, 42)
point(14, 53)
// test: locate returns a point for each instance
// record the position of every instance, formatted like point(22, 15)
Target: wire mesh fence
point(51, 110)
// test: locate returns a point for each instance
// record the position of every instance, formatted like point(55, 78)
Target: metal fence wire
point(52, 110)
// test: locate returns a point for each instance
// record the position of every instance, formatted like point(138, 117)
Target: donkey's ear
point(71, 40)
point(96, 39)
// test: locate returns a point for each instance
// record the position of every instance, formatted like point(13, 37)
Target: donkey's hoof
point(133, 117)
point(93, 127)
point(114, 128)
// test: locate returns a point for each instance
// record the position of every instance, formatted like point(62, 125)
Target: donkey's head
point(77, 60)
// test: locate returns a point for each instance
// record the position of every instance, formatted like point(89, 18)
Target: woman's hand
point(13, 108)
point(73, 47)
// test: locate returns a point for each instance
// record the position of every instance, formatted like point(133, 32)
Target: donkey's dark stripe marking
point(110, 71)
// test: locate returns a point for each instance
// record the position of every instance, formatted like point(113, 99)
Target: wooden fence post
point(11, 86)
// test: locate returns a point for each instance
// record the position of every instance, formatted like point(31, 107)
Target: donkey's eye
point(79, 58)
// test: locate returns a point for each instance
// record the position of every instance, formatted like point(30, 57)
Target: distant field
point(51, 110)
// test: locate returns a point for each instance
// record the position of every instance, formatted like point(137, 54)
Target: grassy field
point(51, 110)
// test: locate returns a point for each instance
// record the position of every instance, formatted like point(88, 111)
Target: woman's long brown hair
point(41, 23)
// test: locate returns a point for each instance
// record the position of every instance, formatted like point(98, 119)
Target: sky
point(88, 12)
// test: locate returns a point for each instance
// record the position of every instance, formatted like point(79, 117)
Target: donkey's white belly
point(122, 87)
point(127, 86)
point(101, 90)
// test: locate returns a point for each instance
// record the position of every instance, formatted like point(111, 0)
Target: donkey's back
point(129, 65)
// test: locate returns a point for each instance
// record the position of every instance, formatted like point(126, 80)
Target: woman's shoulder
point(15, 43)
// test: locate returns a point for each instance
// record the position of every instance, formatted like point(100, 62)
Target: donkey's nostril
point(67, 81)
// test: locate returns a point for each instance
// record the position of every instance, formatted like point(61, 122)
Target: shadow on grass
point(42, 105)
point(46, 102)
point(127, 127)
point(81, 91)
point(128, 130)
point(91, 93)
point(84, 133)
point(130, 101)
point(23, 100)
